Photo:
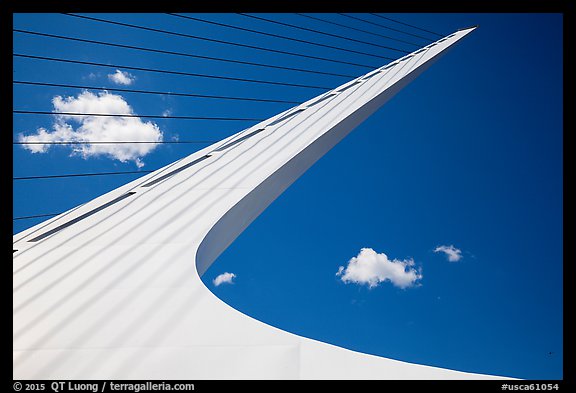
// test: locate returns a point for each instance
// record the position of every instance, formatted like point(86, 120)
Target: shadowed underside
point(112, 288)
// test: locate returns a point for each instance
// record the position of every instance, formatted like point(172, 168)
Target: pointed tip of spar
point(469, 28)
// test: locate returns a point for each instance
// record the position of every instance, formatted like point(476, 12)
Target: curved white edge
point(112, 289)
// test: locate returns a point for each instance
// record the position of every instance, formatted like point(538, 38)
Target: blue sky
point(468, 155)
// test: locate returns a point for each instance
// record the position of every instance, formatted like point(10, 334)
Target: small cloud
point(372, 268)
point(452, 253)
point(97, 129)
point(167, 112)
point(224, 278)
point(92, 76)
point(122, 78)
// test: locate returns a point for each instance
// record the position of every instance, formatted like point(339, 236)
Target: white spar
point(111, 289)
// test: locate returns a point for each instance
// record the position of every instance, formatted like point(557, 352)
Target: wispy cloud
point(97, 129)
point(452, 253)
point(372, 268)
point(167, 112)
point(224, 278)
point(122, 78)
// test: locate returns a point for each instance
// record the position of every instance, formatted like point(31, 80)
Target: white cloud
point(97, 128)
point(167, 112)
point(122, 78)
point(372, 268)
point(452, 253)
point(224, 278)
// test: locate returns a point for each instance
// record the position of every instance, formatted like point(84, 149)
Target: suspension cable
point(168, 52)
point(406, 24)
point(169, 93)
point(354, 28)
point(330, 35)
point(182, 73)
point(22, 112)
point(386, 27)
point(212, 40)
point(270, 34)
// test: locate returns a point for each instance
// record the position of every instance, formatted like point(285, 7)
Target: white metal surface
point(117, 293)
